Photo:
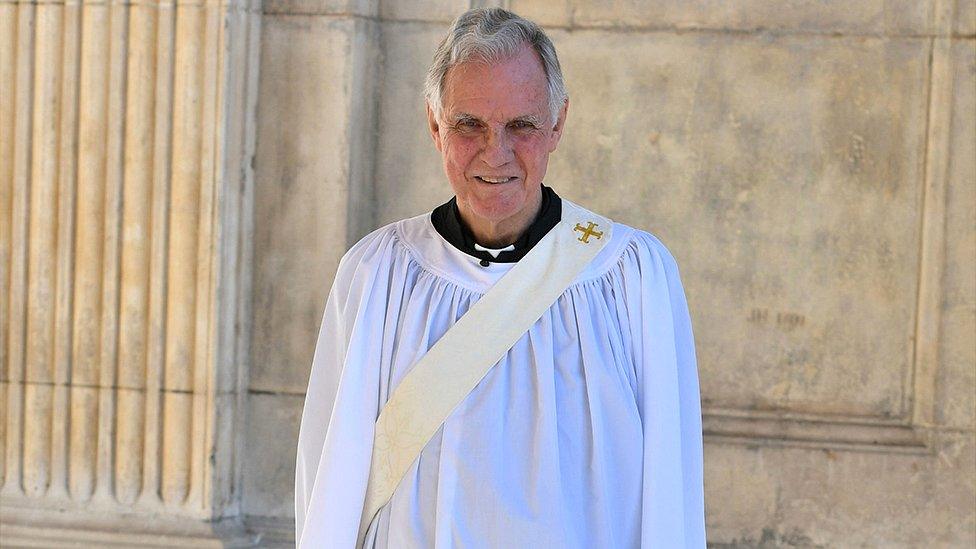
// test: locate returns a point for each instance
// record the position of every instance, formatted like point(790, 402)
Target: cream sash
point(454, 365)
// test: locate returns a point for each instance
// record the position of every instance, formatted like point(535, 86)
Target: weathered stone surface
point(780, 497)
point(423, 10)
point(955, 396)
point(739, 492)
point(305, 136)
point(409, 176)
point(322, 7)
point(548, 13)
point(872, 16)
point(269, 454)
point(783, 174)
point(965, 20)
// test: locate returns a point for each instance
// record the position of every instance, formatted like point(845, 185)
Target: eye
point(467, 124)
point(522, 125)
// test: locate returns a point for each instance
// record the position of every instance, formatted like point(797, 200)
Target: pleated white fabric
point(586, 434)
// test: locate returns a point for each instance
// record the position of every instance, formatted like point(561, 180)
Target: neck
point(498, 234)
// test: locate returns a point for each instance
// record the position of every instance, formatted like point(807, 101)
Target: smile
point(494, 180)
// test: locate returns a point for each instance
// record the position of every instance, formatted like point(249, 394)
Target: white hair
point(490, 35)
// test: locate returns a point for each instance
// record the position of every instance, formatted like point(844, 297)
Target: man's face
point(495, 137)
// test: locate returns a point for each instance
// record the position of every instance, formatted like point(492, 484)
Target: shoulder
point(648, 253)
point(652, 246)
point(648, 259)
point(377, 252)
point(630, 248)
point(366, 247)
point(382, 239)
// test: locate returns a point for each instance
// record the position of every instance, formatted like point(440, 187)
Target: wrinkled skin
point(495, 136)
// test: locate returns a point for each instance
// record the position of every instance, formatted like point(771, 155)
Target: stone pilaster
point(124, 197)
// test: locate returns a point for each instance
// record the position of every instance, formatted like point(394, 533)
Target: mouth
point(494, 180)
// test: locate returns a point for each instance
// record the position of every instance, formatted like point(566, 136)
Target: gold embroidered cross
point(588, 232)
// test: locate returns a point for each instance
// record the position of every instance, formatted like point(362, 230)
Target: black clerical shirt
point(447, 222)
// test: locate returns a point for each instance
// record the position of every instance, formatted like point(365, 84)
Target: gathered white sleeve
point(673, 510)
point(342, 402)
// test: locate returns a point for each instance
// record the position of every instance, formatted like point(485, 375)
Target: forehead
point(502, 89)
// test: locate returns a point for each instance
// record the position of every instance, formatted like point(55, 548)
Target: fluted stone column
point(125, 144)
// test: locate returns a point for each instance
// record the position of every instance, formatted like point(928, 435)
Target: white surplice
point(586, 434)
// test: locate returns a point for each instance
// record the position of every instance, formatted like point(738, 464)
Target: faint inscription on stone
point(785, 320)
point(789, 321)
point(758, 315)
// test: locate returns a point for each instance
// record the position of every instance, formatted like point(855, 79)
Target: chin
point(494, 212)
point(495, 203)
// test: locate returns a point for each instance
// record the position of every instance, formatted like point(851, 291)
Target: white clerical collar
point(494, 253)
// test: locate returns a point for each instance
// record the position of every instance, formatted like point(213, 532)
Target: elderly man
point(511, 369)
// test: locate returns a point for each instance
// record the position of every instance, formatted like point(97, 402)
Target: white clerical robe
point(587, 433)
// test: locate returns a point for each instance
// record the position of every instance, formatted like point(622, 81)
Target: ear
point(557, 128)
point(434, 127)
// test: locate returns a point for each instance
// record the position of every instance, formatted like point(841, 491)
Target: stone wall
point(810, 164)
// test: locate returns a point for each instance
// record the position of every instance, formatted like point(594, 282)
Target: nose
point(498, 149)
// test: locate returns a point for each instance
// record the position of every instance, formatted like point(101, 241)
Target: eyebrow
point(532, 119)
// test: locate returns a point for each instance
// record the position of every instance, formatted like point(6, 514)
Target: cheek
point(458, 152)
point(533, 155)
